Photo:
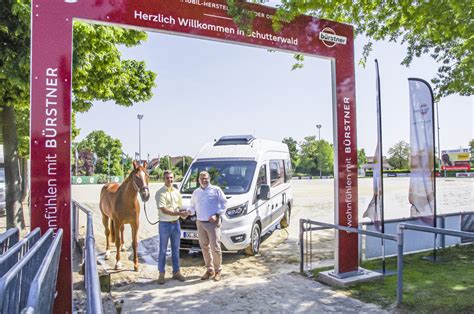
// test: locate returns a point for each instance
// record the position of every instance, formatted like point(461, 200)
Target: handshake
point(184, 213)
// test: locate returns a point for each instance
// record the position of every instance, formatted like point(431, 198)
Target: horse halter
point(142, 188)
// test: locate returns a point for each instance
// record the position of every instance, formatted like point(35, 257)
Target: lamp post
point(319, 139)
point(140, 117)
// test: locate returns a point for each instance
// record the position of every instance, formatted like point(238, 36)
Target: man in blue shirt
point(209, 202)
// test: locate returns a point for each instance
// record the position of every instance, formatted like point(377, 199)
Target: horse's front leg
point(105, 222)
point(118, 243)
point(122, 247)
point(135, 245)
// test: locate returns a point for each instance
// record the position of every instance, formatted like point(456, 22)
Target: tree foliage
point(182, 168)
point(99, 73)
point(441, 29)
point(361, 157)
point(293, 148)
point(399, 155)
point(316, 155)
point(102, 145)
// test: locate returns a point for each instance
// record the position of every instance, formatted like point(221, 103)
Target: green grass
point(444, 286)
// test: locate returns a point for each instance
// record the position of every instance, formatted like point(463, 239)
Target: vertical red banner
point(347, 250)
point(50, 132)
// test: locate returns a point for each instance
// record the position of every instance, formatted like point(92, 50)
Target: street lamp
point(319, 139)
point(140, 117)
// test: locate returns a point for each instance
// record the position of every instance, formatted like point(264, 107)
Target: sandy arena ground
point(268, 281)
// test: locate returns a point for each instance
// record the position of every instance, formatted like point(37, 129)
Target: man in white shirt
point(169, 202)
point(209, 203)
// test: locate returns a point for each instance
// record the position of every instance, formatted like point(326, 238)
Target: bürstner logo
point(330, 39)
point(424, 109)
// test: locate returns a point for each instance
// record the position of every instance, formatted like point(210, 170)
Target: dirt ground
point(277, 261)
point(266, 282)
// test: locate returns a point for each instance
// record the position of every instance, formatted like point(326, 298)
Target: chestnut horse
point(119, 205)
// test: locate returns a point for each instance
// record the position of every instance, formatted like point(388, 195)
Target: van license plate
point(190, 235)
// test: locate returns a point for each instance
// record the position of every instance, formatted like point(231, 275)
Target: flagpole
point(435, 223)
point(379, 117)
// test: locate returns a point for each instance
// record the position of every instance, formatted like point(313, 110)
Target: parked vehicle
point(255, 176)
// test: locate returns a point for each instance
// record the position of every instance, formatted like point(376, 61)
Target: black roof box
point(235, 140)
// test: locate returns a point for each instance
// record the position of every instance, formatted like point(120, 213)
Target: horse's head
point(140, 180)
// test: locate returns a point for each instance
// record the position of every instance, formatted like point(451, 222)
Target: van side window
point(262, 176)
point(288, 170)
point(276, 172)
point(261, 179)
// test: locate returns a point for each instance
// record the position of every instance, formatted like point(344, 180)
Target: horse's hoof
point(107, 254)
point(118, 266)
point(135, 268)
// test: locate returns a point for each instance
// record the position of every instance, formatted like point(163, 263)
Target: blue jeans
point(169, 231)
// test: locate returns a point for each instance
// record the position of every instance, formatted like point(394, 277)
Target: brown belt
point(172, 222)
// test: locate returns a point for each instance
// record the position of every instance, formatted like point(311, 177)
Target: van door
point(277, 180)
point(263, 207)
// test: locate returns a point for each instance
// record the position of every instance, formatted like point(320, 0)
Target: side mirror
point(264, 193)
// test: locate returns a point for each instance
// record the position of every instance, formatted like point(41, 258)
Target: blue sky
point(207, 89)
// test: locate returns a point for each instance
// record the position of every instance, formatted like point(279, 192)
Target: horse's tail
point(112, 230)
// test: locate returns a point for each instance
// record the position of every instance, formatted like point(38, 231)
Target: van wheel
point(285, 221)
point(254, 246)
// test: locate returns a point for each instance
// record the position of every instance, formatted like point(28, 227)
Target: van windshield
point(232, 176)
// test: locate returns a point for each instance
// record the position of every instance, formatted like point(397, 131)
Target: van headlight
point(237, 211)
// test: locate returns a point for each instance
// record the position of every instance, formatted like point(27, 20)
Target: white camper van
point(255, 176)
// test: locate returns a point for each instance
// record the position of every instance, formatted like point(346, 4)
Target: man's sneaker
point(161, 278)
point(207, 275)
point(178, 276)
point(218, 276)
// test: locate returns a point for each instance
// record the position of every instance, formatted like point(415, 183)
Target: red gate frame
point(51, 84)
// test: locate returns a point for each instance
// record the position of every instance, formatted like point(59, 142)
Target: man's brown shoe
point(161, 278)
point(218, 276)
point(207, 275)
point(179, 276)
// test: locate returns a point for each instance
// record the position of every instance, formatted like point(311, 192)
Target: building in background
point(369, 166)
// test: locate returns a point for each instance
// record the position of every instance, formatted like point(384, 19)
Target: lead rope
point(146, 215)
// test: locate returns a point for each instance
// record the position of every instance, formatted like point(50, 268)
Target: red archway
point(51, 72)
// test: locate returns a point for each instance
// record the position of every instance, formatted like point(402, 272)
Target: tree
point(399, 155)
point(99, 73)
point(441, 29)
point(293, 148)
point(102, 145)
point(320, 152)
point(361, 157)
point(165, 163)
point(187, 162)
